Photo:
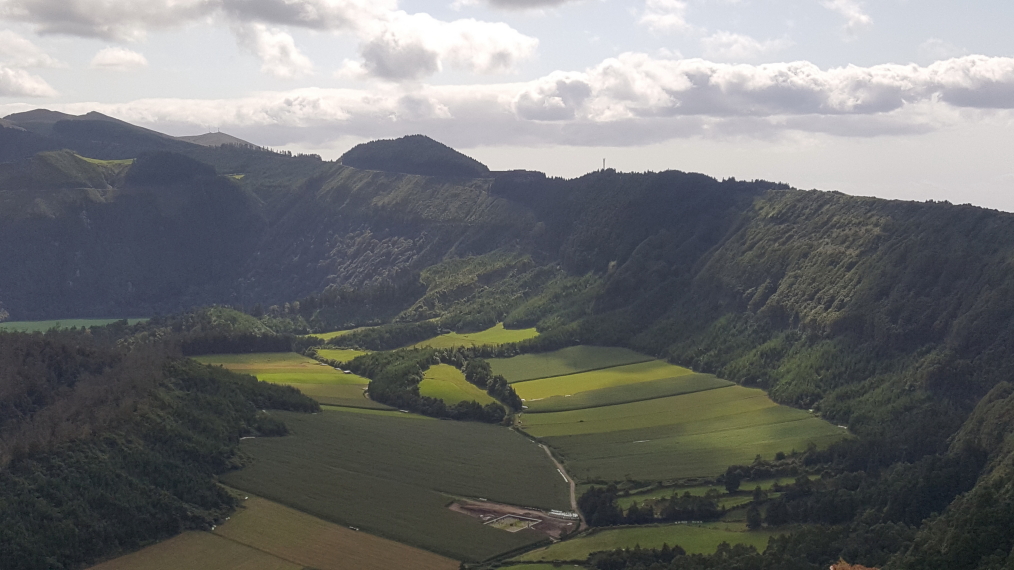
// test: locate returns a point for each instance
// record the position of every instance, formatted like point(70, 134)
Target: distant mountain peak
point(216, 139)
point(413, 154)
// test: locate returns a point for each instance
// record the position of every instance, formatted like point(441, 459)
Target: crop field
point(691, 435)
point(340, 354)
point(447, 383)
point(394, 476)
point(195, 550)
point(311, 542)
point(320, 382)
point(494, 335)
point(565, 361)
point(694, 538)
point(43, 326)
point(624, 394)
point(617, 376)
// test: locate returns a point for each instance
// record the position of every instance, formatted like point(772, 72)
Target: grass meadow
point(623, 394)
point(393, 476)
point(194, 550)
point(340, 354)
point(694, 538)
point(691, 435)
point(447, 383)
point(745, 490)
point(617, 376)
point(336, 334)
point(320, 382)
point(43, 326)
point(565, 361)
point(494, 335)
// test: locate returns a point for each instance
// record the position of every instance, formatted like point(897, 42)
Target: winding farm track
point(573, 487)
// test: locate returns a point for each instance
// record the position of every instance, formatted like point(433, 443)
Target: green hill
point(414, 154)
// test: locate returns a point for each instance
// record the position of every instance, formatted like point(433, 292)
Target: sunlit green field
point(692, 435)
point(336, 334)
point(394, 475)
point(264, 535)
point(649, 390)
point(571, 384)
point(340, 354)
point(42, 326)
point(495, 335)
point(694, 538)
point(564, 361)
point(319, 381)
point(447, 383)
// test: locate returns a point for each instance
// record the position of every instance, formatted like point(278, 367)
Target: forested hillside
point(104, 450)
point(893, 318)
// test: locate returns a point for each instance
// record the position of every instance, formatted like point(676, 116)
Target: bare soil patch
point(553, 526)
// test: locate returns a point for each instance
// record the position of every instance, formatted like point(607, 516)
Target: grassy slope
point(598, 379)
point(393, 476)
point(694, 538)
point(495, 335)
point(447, 383)
point(565, 361)
point(322, 383)
point(339, 354)
point(697, 434)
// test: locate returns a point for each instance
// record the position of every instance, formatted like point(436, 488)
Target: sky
point(902, 99)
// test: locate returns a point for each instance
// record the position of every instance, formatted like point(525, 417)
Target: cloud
point(20, 83)
point(16, 51)
point(413, 46)
point(665, 16)
point(118, 59)
point(276, 49)
point(107, 19)
point(526, 4)
point(727, 46)
point(632, 99)
point(394, 45)
point(856, 20)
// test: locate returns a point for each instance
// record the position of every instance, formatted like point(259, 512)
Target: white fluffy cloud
point(276, 49)
point(633, 99)
point(17, 51)
point(394, 45)
point(727, 46)
point(20, 83)
point(856, 19)
point(665, 15)
point(413, 46)
point(118, 59)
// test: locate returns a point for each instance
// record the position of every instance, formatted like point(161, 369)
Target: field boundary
point(649, 359)
point(593, 406)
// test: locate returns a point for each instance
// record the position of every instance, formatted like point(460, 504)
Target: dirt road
point(573, 487)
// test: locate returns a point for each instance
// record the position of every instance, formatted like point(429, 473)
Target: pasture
point(623, 394)
point(745, 490)
point(694, 538)
point(340, 354)
point(43, 326)
point(394, 477)
point(691, 435)
point(617, 376)
point(194, 550)
point(447, 383)
point(564, 361)
point(319, 381)
point(336, 334)
point(490, 336)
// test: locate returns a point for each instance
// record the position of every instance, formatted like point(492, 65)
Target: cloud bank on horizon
point(569, 73)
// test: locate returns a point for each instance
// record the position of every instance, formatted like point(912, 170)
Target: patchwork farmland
point(611, 419)
point(491, 336)
point(394, 475)
point(447, 383)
